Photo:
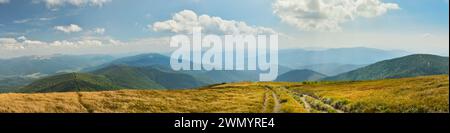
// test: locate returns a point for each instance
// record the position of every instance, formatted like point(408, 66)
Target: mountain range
point(70, 82)
point(295, 58)
point(300, 76)
point(331, 69)
point(152, 71)
point(114, 77)
point(40, 66)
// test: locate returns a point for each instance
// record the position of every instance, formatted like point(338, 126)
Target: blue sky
point(420, 26)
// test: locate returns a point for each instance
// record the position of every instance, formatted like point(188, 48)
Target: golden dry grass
point(288, 102)
point(183, 101)
point(128, 101)
point(428, 94)
point(414, 95)
point(35, 103)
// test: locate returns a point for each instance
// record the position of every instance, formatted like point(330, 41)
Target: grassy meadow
point(428, 94)
point(214, 99)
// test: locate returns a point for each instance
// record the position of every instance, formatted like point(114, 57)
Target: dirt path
point(303, 98)
point(277, 105)
point(266, 101)
point(311, 107)
point(83, 104)
point(306, 104)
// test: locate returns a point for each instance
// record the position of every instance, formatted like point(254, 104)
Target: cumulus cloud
point(22, 46)
point(78, 3)
point(10, 44)
point(69, 28)
point(328, 15)
point(4, 1)
point(185, 21)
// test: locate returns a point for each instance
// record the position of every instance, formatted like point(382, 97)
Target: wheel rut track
point(80, 96)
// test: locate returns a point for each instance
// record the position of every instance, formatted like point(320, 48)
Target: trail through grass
point(428, 94)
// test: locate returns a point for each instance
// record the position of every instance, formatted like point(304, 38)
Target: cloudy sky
point(31, 27)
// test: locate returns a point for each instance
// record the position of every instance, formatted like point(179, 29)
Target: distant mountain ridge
point(163, 62)
point(141, 60)
point(408, 66)
point(113, 78)
point(331, 69)
point(327, 61)
point(47, 65)
point(295, 58)
point(151, 77)
point(152, 71)
point(71, 82)
point(300, 76)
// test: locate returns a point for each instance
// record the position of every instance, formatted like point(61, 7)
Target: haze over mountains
point(38, 66)
point(356, 56)
point(152, 71)
point(140, 60)
point(21, 71)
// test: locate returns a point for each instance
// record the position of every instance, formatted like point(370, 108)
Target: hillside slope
point(141, 60)
point(408, 66)
point(148, 77)
point(162, 62)
point(428, 94)
point(69, 83)
point(128, 77)
point(150, 101)
point(332, 69)
point(300, 76)
point(115, 77)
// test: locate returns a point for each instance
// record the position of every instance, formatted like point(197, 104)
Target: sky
point(39, 27)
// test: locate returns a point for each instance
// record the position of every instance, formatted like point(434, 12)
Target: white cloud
point(100, 30)
point(14, 47)
point(78, 3)
point(69, 29)
point(29, 20)
point(328, 15)
point(22, 38)
point(4, 1)
point(47, 18)
point(22, 43)
point(185, 21)
point(22, 21)
point(10, 44)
